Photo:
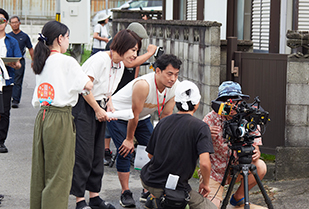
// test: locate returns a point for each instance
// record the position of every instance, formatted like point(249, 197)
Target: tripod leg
point(259, 182)
point(245, 173)
point(230, 189)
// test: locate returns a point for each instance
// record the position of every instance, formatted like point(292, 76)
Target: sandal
point(237, 203)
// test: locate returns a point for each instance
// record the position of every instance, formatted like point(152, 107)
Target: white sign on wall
point(76, 15)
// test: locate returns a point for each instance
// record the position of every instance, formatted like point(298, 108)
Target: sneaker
point(3, 148)
point(148, 203)
point(103, 205)
point(144, 196)
point(15, 104)
point(1, 197)
point(153, 203)
point(108, 156)
point(126, 199)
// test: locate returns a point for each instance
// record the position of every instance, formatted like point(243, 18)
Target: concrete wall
point(292, 160)
point(297, 104)
point(196, 43)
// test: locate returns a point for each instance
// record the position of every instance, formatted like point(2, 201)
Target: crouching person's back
point(174, 148)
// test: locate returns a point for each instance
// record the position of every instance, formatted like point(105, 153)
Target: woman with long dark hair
point(59, 80)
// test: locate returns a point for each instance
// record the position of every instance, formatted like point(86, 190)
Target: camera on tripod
point(239, 131)
point(244, 123)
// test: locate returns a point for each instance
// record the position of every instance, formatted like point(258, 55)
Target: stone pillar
point(292, 160)
point(297, 104)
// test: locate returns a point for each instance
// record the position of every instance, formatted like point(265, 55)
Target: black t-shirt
point(176, 143)
point(23, 41)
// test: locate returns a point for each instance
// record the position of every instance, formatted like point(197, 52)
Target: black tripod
point(243, 167)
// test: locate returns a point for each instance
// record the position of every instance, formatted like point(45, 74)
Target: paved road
point(16, 166)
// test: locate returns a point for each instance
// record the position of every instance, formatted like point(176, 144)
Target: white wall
point(285, 25)
point(217, 11)
point(169, 10)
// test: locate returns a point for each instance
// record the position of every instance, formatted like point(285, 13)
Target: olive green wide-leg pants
point(52, 158)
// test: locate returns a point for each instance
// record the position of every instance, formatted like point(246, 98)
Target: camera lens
point(251, 126)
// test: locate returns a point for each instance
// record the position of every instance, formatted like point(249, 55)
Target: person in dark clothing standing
point(24, 42)
point(8, 48)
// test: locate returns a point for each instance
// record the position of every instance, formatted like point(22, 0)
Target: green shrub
point(268, 158)
point(85, 55)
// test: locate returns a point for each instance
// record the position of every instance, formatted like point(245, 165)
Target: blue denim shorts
point(118, 132)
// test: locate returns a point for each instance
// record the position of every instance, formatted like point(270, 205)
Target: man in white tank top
point(145, 94)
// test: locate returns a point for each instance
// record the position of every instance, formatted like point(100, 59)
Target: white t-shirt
point(3, 49)
point(60, 82)
point(123, 98)
point(106, 79)
point(3, 74)
point(102, 31)
point(3, 52)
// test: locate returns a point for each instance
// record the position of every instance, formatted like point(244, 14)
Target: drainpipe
point(295, 19)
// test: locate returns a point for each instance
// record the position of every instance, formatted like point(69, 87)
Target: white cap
point(102, 17)
point(187, 91)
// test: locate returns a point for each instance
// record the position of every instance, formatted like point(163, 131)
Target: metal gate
point(265, 75)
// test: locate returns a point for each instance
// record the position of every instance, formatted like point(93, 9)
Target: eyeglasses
point(2, 20)
point(14, 23)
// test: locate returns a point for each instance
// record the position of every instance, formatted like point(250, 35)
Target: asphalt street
point(16, 166)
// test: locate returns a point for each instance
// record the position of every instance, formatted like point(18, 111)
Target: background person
point(177, 142)
point(105, 70)
point(8, 48)
point(229, 90)
point(145, 16)
point(100, 34)
point(130, 72)
point(145, 94)
point(24, 42)
point(54, 131)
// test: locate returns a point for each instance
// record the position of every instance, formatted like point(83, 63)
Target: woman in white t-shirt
point(59, 80)
point(105, 69)
point(100, 34)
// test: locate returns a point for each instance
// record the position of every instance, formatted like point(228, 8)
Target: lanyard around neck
point(110, 88)
point(158, 102)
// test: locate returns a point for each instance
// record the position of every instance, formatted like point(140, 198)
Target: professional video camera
point(239, 130)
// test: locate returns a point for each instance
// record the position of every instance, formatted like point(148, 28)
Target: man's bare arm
point(205, 168)
point(97, 36)
point(168, 108)
point(139, 94)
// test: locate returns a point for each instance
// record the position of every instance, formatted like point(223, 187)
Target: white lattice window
point(303, 15)
point(191, 10)
point(260, 24)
